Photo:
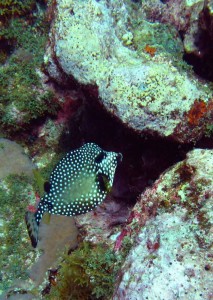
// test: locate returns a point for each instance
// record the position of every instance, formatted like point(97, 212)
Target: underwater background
point(135, 78)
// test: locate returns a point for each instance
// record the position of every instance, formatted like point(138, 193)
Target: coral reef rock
point(13, 160)
point(172, 254)
point(189, 18)
point(150, 90)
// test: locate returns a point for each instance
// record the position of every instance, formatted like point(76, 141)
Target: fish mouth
point(119, 158)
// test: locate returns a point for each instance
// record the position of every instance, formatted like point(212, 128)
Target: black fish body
point(79, 183)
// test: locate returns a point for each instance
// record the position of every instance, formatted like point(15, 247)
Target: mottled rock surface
point(187, 16)
point(173, 230)
point(148, 89)
point(102, 224)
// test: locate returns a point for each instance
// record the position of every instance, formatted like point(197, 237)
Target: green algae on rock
point(12, 8)
point(193, 20)
point(15, 253)
point(23, 94)
point(16, 176)
point(87, 273)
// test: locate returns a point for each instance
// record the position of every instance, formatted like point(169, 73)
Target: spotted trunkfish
point(79, 183)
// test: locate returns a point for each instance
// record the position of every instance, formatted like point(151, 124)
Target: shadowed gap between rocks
point(202, 61)
point(144, 158)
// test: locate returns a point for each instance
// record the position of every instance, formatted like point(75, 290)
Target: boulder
point(150, 90)
point(171, 257)
point(13, 160)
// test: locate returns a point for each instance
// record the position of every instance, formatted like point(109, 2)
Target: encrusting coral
point(171, 226)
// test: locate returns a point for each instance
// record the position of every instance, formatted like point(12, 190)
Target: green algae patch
point(23, 95)
point(87, 273)
point(11, 8)
point(160, 36)
point(15, 251)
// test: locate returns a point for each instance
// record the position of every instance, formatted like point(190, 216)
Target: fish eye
point(100, 157)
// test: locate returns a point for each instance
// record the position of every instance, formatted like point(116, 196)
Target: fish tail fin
point(32, 221)
point(32, 227)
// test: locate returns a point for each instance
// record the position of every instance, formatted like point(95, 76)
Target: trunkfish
point(79, 183)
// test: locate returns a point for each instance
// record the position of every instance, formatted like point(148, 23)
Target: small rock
point(13, 160)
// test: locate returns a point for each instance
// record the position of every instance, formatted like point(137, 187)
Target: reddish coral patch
point(150, 50)
point(31, 208)
point(197, 111)
point(153, 246)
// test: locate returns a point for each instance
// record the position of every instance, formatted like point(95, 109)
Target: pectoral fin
point(104, 182)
